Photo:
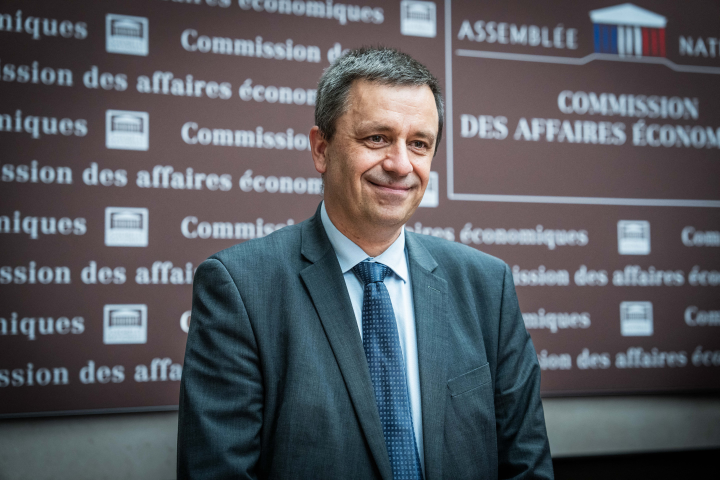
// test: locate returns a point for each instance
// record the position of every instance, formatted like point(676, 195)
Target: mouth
point(390, 188)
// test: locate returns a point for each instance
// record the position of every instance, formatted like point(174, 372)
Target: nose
point(398, 160)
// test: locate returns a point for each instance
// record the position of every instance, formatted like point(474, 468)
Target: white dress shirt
point(400, 290)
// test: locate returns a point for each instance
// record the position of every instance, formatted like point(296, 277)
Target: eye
point(418, 144)
point(376, 138)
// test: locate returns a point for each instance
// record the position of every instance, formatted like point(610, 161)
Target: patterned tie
point(387, 371)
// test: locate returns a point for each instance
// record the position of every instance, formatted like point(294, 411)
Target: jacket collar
point(315, 243)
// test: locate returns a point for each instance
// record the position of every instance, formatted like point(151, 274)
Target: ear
point(318, 147)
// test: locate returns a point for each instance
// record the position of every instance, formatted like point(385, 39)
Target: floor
point(675, 465)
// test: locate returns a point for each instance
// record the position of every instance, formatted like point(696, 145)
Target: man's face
point(377, 164)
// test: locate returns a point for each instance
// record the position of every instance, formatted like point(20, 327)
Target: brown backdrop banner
point(138, 138)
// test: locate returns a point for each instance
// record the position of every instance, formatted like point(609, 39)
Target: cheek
point(344, 175)
point(361, 161)
point(338, 165)
point(422, 169)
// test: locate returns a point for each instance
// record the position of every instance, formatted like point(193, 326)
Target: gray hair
point(382, 65)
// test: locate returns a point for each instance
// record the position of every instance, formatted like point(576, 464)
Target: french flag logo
point(629, 31)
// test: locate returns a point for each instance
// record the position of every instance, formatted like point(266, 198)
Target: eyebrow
point(430, 137)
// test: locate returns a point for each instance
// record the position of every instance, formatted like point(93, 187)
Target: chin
point(391, 217)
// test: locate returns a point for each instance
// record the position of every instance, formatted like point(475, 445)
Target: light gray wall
point(133, 446)
point(610, 425)
point(142, 446)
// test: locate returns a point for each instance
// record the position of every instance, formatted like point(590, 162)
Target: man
point(345, 347)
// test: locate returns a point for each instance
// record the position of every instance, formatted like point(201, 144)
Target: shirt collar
point(350, 254)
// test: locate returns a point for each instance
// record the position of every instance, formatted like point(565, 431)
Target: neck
point(373, 239)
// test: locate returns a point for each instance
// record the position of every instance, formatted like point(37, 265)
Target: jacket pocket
point(470, 380)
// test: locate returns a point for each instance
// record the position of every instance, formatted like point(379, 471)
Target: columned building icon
point(628, 30)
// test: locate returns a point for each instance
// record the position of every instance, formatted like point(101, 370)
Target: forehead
point(408, 104)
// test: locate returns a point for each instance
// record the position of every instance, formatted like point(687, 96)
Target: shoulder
point(462, 261)
point(276, 250)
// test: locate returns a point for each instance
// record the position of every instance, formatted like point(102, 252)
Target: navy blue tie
point(387, 371)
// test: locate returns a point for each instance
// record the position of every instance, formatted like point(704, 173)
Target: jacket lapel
point(326, 285)
point(430, 297)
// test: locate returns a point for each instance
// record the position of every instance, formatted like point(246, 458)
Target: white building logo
point(126, 34)
point(126, 227)
point(432, 192)
point(126, 130)
point(418, 19)
point(633, 237)
point(628, 31)
point(124, 324)
point(636, 319)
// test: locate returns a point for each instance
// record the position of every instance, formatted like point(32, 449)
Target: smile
point(392, 189)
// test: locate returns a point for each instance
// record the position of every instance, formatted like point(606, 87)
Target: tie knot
point(371, 272)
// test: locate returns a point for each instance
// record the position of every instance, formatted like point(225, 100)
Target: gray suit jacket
point(276, 384)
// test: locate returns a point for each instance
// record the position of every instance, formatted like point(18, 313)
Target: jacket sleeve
point(523, 449)
point(221, 392)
